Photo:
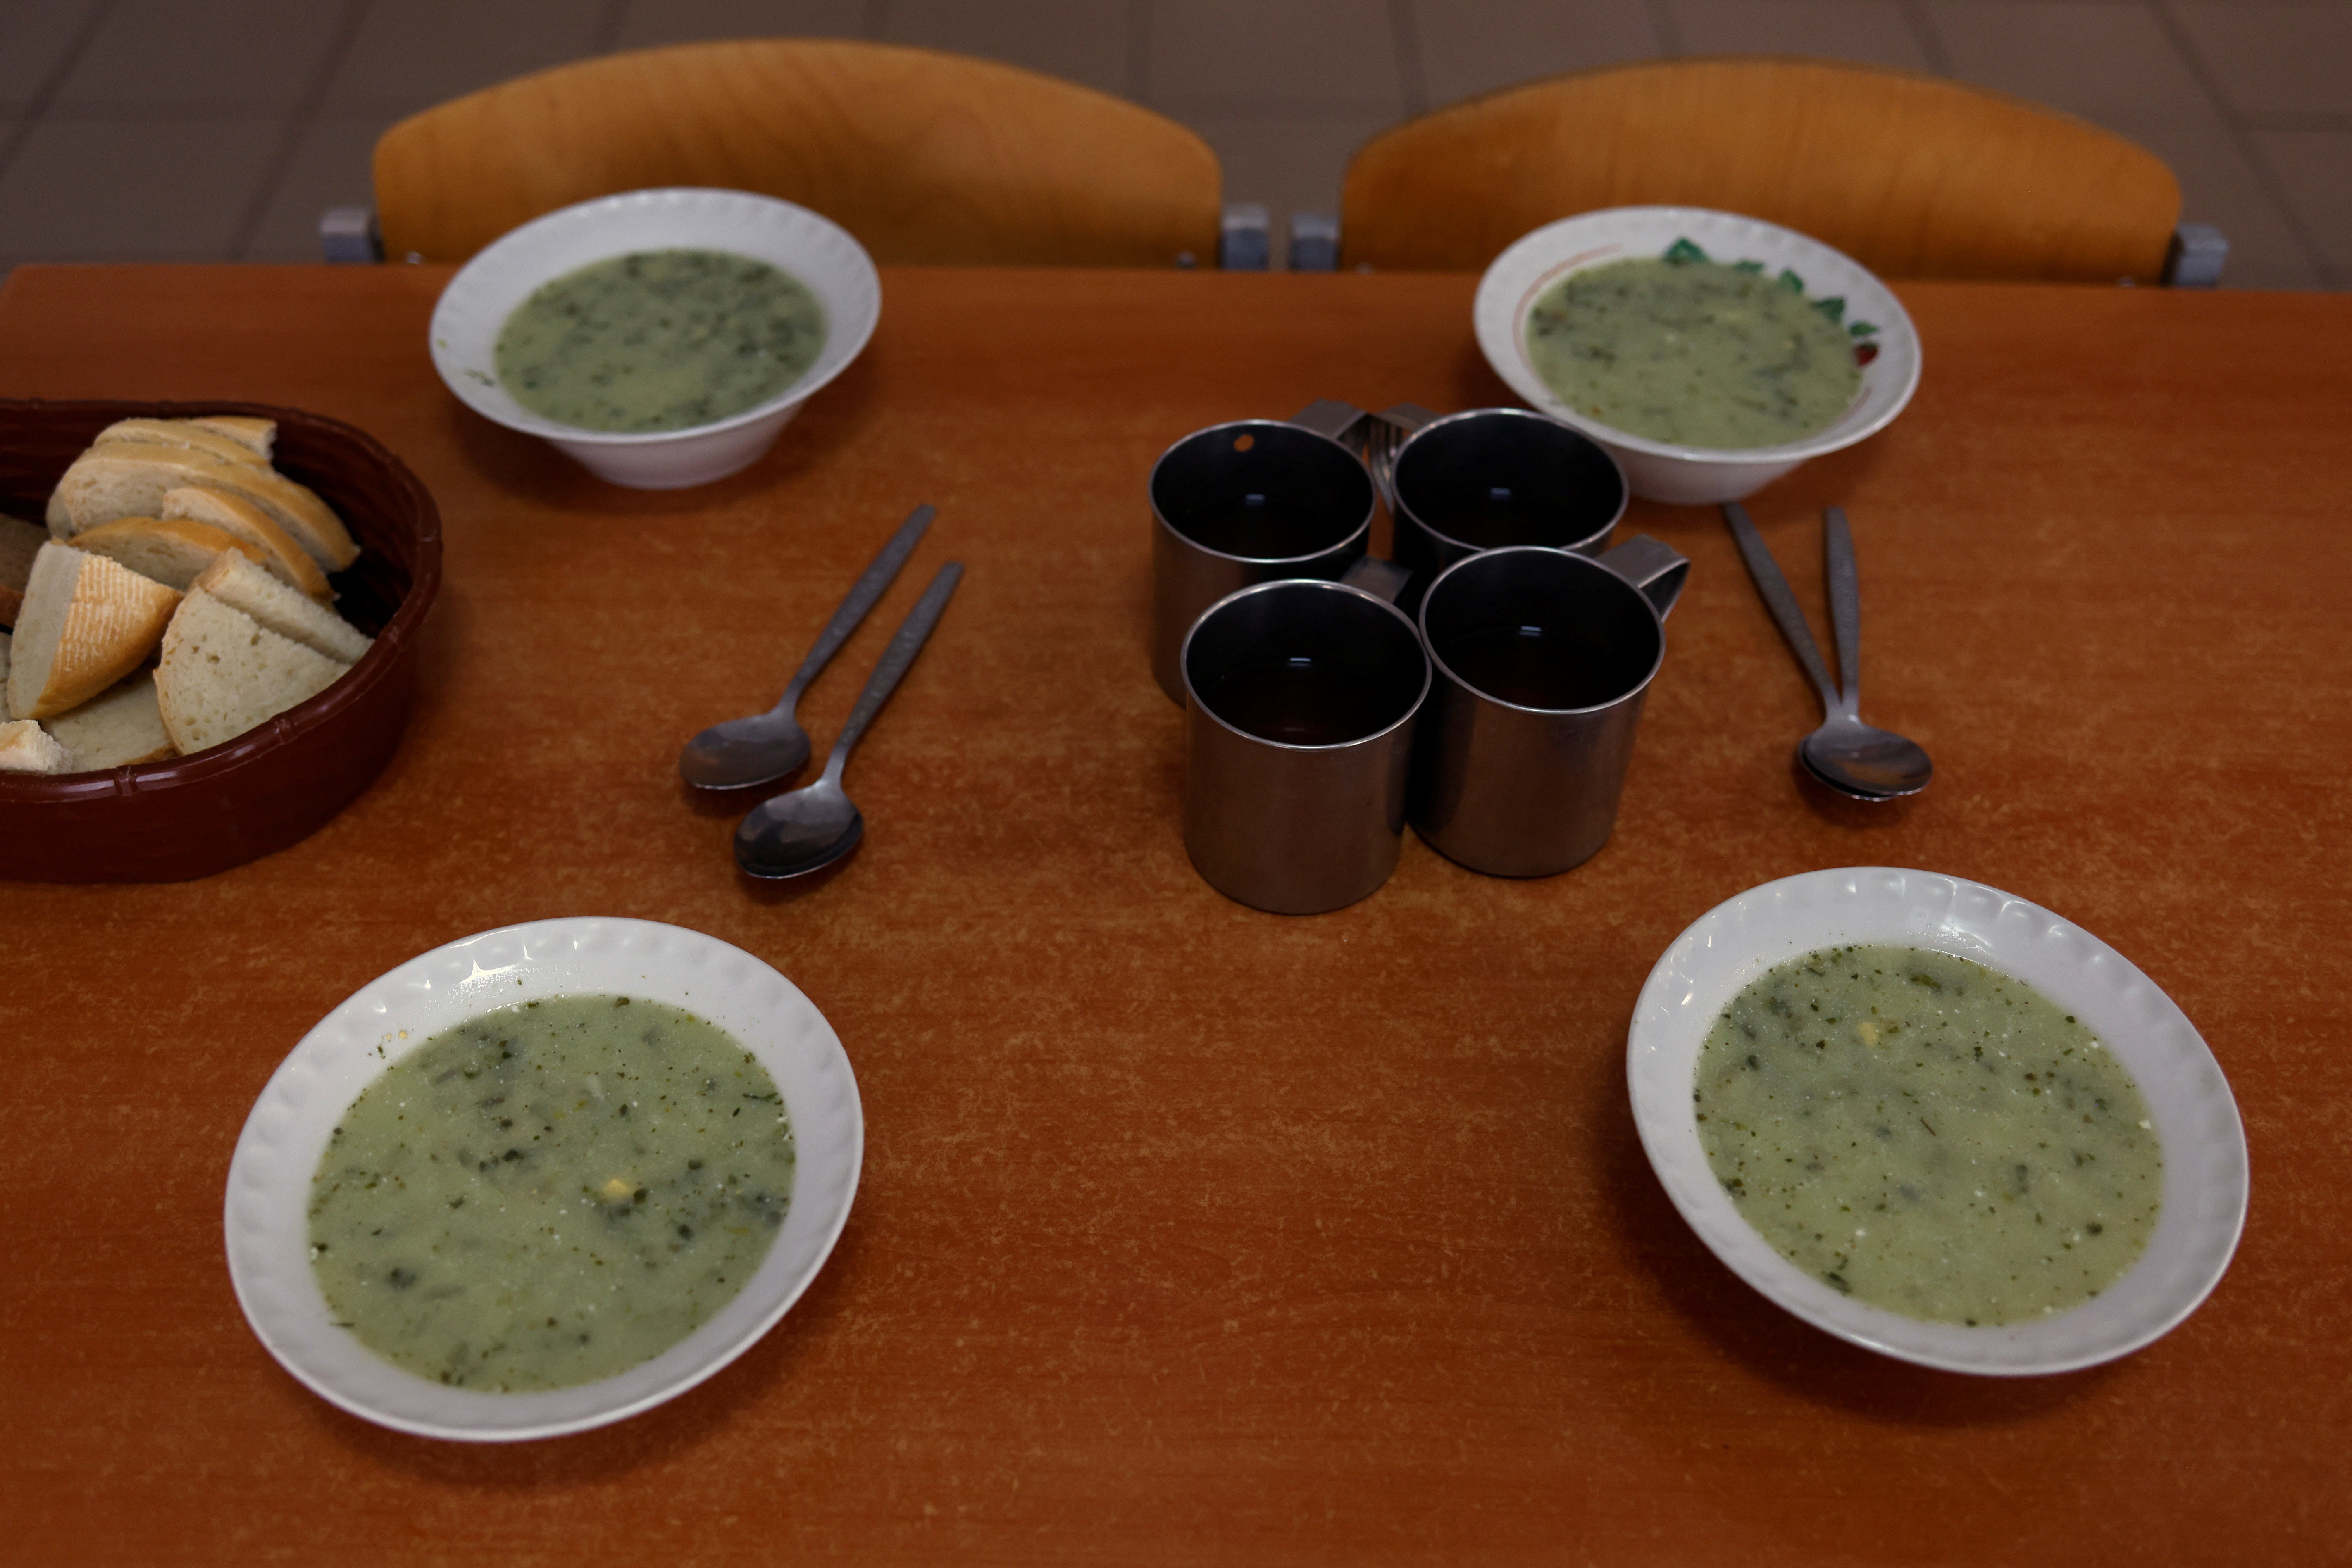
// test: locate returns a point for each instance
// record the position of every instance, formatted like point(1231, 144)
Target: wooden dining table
point(1189, 1233)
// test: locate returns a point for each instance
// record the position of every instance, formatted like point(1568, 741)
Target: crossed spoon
point(1844, 753)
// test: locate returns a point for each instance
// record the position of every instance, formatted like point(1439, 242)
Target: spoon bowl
point(765, 748)
point(808, 828)
point(744, 751)
point(1844, 754)
point(1848, 755)
point(799, 832)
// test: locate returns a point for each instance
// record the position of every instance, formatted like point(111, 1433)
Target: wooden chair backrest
point(1911, 175)
point(925, 157)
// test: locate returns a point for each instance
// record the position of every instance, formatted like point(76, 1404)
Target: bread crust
point(27, 747)
point(191, 434)
point(87, 623)
point(259, 434)
point(128, 478)
point(289, 562)
point(172, 551)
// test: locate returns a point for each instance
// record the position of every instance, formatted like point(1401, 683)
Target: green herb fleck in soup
point(660, 340)
point(551, 1194)
point(1928, 1135)
point(1693, 352)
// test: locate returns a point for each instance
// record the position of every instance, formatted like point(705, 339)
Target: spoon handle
point(862, 596)
point(908, 641)
point(1779, 601)
point(1846, 606)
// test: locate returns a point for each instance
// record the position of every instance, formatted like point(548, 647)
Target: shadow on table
point(1781, 1349)
point(1841, 809)
point(657, 1436)
point(733, 804)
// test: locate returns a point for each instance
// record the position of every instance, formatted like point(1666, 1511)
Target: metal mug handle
point(1381, 579)
point(1384, 436)
point(1328, 416)
point(1341, 420)
point(1374, 437)
point(1408, 417)
point(1349, 426)
point(1656, 568)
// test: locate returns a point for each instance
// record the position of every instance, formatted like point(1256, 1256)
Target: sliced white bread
point(128, 479)
point(243, 585)
point(223, 672)
point(87, 623)
point(258, 435)
point(186, 433)
point(119, 726)
point(20, 541)
point(169, 551)
point(289, 562)
point(24, 748)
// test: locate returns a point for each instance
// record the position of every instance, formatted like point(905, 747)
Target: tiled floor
point(217, 129)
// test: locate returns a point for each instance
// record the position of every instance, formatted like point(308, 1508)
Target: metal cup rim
point(1429, 647)
point(1624, 487)
point(1192, 698)
point(1159, 519)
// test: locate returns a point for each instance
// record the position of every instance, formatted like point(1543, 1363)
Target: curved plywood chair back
point(1913, 176)
point(925, 157)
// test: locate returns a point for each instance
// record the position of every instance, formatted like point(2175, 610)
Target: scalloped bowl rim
point(2205, 1168)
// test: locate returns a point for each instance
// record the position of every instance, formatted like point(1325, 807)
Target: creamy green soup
point(551, 1194)
point(660, 340)
point(1928, 1135)
point(1693, 352)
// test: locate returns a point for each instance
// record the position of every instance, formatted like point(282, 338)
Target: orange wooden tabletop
point(1190, 1233)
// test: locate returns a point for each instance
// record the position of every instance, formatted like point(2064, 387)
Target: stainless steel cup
point(1300, 704)
point(1495, 478)
point(1543, 660)
point(1249, 502)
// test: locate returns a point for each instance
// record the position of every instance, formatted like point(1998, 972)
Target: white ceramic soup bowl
point(1662, 470)
point(821, 253)
point(266, 1215)
point(2196, 1118)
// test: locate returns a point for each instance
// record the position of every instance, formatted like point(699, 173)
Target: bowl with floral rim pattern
point(1885, 344)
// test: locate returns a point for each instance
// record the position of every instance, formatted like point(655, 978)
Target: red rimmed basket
point(272, 786)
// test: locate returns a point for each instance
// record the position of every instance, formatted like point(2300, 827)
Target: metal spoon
point(1844, 753)
point(808, 828)
point(746, 751)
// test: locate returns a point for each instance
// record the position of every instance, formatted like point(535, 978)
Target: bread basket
point(274, 785)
